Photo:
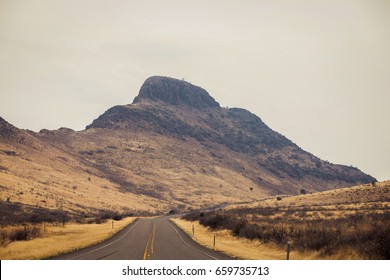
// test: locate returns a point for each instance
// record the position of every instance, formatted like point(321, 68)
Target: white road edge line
point(203, 253)
point(109, 244)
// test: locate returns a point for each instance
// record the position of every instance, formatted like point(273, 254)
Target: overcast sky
point(316, 71)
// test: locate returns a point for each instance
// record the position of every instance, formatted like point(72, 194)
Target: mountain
point(174, 147)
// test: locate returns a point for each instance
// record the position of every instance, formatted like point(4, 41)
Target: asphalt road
point(147, 239)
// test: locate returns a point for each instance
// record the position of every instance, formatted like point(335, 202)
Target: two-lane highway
point(147, 239)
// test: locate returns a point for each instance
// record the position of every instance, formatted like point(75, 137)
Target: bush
point(20, 234)
point(117, 217)
point(110, 215)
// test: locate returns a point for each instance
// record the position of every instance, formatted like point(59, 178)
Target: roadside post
point(288, 249)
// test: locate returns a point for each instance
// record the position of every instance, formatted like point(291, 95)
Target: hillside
point(367, 197)
point(174, 147)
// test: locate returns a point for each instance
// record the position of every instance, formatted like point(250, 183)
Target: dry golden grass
point(347, 223)
point(58, 239)
point(57, 180)
point(149, 173)
point(241, 248)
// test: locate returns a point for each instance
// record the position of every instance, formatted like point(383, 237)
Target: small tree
point(303, 191)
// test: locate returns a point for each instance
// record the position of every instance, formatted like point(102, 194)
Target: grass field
point(241, 248)
point(350, 223)
point(58, 239)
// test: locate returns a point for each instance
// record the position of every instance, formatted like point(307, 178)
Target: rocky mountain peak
point(175, 92)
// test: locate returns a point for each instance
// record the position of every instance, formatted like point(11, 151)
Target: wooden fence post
point(288, 249)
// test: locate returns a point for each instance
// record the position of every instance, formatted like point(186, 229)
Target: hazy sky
point(316, 71)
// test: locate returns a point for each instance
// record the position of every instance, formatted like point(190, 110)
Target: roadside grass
point(241, 248)
point(57, 239)
point(349, 223)
point(357, 235)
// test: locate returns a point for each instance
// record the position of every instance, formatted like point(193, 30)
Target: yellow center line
point(151, 242)
point(147, 245)
point(154, 233)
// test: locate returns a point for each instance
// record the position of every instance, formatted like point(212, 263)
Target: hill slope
point(173, 147)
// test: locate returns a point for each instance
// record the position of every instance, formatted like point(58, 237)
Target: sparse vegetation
point(17, 214)
point(309, 228)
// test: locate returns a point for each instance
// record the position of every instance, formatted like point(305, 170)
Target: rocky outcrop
point(175, 92)
point(8, 131)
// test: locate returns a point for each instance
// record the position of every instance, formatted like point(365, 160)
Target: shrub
point(19, 234)
point(110, 215)
point(117, 217)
